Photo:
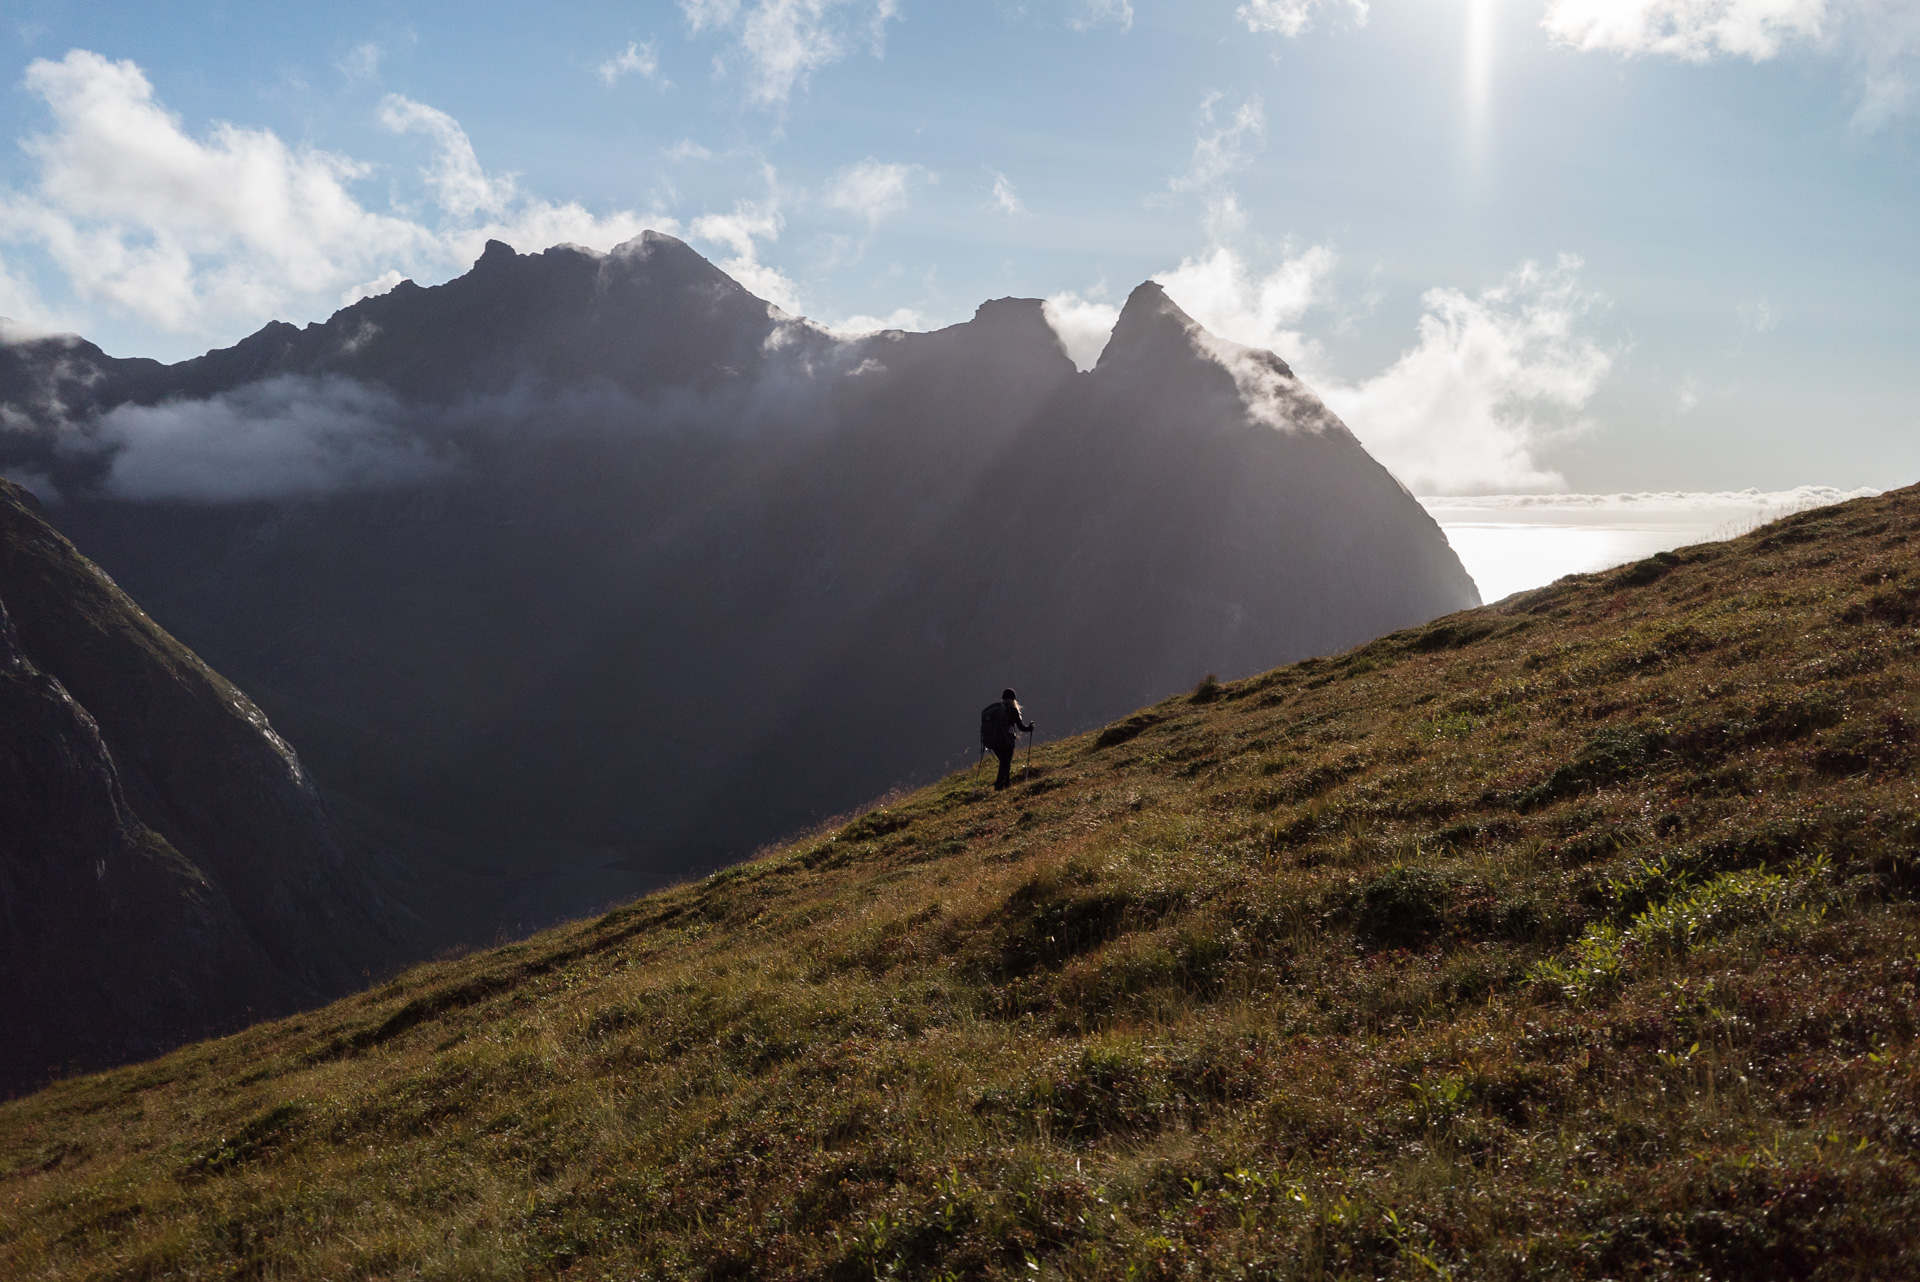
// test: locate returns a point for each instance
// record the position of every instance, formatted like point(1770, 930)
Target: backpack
point(993, 724)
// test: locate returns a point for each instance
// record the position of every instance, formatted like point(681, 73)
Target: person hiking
point(1000, 724)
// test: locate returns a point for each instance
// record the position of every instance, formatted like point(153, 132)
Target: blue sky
point(1519, 244)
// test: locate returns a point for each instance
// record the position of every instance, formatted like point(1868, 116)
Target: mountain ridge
point(562, 548)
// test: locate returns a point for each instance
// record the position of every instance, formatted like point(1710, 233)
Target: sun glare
point(1479, 65)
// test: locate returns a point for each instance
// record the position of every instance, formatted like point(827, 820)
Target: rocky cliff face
point(167, 869)
point(667, 573)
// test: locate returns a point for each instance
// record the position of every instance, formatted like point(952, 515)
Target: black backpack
point(993, 724)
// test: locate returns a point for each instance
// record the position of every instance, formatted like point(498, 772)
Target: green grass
point(1573, 936)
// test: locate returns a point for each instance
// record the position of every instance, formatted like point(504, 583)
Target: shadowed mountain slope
point(1567, 937)
point(167, 869)
point(642, 538)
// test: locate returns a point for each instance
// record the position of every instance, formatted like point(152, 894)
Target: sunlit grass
point(1573, 937)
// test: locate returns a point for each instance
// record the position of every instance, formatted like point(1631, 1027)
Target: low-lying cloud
point(287, 437)
point(1643, 505)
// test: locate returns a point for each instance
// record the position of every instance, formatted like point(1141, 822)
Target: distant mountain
point(167, 868)
point(552, 557)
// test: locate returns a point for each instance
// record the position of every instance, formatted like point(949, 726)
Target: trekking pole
point(1029, 774)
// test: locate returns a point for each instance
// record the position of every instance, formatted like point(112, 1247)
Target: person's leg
point(1006, 767)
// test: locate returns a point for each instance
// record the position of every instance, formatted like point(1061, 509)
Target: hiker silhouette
point(1000, 726)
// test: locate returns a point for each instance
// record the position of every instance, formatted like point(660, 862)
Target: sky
point(1521, 246)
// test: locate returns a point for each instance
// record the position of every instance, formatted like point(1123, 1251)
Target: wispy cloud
point(1758, 316)
point(191, 233)
point(1691, 29)
point(1880, 38)
point(783, 42)
point(636, 59)
point(1005, 198)
point(1291, 17)
point(872, 189)
point(1222, 146)
point(1089, 14)
point(742, 230)
point(362, 62)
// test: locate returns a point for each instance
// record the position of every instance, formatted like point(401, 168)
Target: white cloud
point(22, 312)
point(636, 58)
point(1223, 293)
point(901, 318)
point(280, 438)
point(1091, 13)
point(1220, 147)
point(201, 234)
point(463, 185)
point(1459, 412)
point(1690, 29)
point(1493, 376)
point(1880, 38)
point(688, 149)
point(872, 189)
point(1291, 17)
point(1083, 326)
point(1005, 198)
point(380, 284)
point(785, 41)
point(749, 223)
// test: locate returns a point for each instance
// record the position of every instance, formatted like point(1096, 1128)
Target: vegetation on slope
point(1569, 936)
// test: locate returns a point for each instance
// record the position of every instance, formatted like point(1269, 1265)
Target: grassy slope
point(1570, 936)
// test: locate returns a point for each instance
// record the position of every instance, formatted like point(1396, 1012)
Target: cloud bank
point(194, 234)
point(1656, 505)
point(287, 437)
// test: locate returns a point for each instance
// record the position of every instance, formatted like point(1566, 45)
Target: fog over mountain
point(604, 571)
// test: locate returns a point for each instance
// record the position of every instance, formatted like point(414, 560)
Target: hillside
point(167, 868)
point(556, 557)
point(1570, 936)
